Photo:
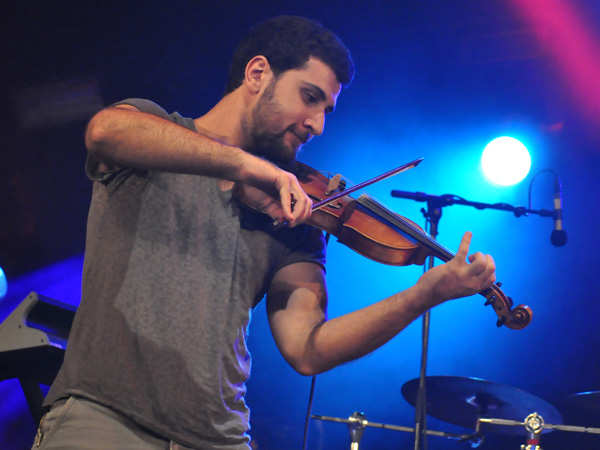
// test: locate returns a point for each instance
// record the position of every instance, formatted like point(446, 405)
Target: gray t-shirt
point(173, 268)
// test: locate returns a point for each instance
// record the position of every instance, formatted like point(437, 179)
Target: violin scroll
point(515, 319)
point(521, 316)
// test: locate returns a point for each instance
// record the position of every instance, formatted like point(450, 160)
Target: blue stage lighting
point(3, 284)
point(505, 161)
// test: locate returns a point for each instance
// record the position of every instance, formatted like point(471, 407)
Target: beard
point(262, 142)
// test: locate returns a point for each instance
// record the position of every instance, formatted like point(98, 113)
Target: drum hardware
point(482, 405)
point(357, 423)
point(534, 425)
point(463, 401)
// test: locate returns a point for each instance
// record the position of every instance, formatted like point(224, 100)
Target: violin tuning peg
point(510, 301)
point(500, 321)
point(490, 300)
point(499, 283)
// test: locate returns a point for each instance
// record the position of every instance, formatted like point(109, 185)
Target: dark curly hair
point(288, 42)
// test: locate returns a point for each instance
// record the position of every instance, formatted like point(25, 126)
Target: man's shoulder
point(144, 105)
point(150, 107)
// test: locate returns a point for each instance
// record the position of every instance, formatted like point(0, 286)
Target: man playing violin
point(175, 262)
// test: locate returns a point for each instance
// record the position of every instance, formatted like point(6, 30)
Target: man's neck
point(223, 122)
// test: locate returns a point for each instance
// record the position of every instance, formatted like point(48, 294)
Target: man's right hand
point(278, 194)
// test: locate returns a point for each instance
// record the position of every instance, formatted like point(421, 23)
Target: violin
point(369, 228)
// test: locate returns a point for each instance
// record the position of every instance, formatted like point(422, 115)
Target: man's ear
point(258, 73)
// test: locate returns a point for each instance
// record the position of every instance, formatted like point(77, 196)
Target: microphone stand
point(449, 200)
point(432, 214)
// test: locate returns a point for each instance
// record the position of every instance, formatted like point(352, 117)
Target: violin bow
point(350, 190)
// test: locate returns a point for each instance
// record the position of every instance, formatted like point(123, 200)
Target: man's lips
point(302, 137)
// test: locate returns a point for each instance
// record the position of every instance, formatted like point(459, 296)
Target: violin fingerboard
point(400, 223)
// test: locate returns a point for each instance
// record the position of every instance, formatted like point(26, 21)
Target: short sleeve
point(306, 244)
point(107, 176)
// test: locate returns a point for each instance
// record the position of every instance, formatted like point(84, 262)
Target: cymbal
point(585, 400)
point(461, 400)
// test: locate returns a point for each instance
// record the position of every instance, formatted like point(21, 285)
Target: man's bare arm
point(311, 344)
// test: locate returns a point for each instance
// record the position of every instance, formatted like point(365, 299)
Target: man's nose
point(315, 123)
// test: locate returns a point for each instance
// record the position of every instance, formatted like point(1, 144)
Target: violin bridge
point(335, 184)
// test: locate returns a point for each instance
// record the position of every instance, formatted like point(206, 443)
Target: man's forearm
point(360, 332)
point(121, 137)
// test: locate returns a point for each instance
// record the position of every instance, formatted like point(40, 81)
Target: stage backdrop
point(434, 79)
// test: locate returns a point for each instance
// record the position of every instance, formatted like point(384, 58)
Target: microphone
point(558, 236)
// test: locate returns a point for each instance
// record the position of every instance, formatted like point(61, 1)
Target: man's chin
point(292, 153)
point(284, 155)
point(280, 152)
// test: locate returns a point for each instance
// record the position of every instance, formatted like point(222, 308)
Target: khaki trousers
point(79, 424)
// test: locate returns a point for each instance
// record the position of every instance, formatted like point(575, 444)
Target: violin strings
point(423, 233)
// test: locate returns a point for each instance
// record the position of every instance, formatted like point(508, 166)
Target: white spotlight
point(505, 161)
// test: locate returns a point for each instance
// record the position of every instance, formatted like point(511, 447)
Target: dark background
point(437, 79)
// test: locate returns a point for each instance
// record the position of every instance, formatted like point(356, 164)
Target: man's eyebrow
point(321, 96)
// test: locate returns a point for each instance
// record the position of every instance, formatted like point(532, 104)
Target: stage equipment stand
point(432, 215)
